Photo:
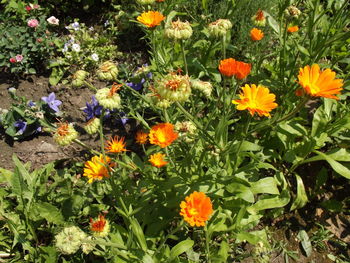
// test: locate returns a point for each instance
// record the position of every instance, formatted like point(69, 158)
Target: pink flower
point(28, 8)
point(13, 60)
point(19, 58)
point(33, 23)
point(53, 20)
point(36, 6)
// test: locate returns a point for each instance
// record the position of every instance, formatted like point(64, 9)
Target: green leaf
point(305, 242)
point(49, 212)
point(266, 185)
point(180, 248)
point(137, 230)
point(338, 167)
point(223, 252)
point(269, 203)
point(301, 198)
point(303, 50)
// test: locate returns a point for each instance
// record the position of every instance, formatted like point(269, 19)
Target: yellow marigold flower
point(157, 160)
point(256, 34)
point(256, 99)
point(319, 83)
point(99, 227)
point(65, 134)
point(151, 18)
point(162, 134)
point(293, 29)
point(116, 145)
point(141, 137)
point(98, 168)
point(196, 209)
point(109, 98)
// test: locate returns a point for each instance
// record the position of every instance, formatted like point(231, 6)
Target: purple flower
point(136, 86)
point(92, 110)
point(123, 118)
point(21, 125)
point(31, 103)
point(52, 102)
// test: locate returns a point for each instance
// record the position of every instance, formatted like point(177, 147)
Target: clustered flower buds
point(178, 30)
point(69, 240)
point(108, 71)
point(203, 86)
point(65, 134)
point(78, 78)
point(186, 130)
point(174, 87)
point(145, 2)
point(219, 27)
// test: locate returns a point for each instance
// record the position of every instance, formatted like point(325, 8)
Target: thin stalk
point(182, 43)
point(155, 54)
point(207, 249)
point(92, 87)
point(169, 157)
point(101, 133)
point(77, 141)
point(223, 46)
point(245, 133)
point(167, 236)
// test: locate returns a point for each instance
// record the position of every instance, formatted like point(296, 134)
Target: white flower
point(94, 57)
point(76, 47)
point(53, 20)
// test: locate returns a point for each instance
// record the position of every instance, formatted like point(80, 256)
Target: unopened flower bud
point(145, 2)
point(219, 27)
point(69, 240)
point(174, 87)
point(92, 126)
point(292, 11)
point(186, 130)
point(178, 30)
point(65, 134)
point(108, 71)
point(109, 98)
point(78, 78)
point(259, 18)
point(87, 247)
point(202, 86)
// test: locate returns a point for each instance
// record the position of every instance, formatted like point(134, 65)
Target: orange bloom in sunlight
point(256, 99)
point(162, 134)
point(99, 227)
point(293, 29)
point(141, 137)
point(230, 67)
point(256, 34)
point(319, 83)
point(98, 168)
point(227, 67)
point(242, 70)
point(151, 18)
point(157, 160)
point(116, 145)
point(196, 209)
point(159, 1)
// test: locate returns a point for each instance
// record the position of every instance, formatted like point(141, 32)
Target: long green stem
point(223, 46)
point(92, 87)
point(155, 54)
point(182, 43)
point(207, 240)
point(245, 133)
point(101, 133)
point(167, 236)
point(79, 142)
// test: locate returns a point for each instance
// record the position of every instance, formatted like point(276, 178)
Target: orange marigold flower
point(230, 67)
point(151, 18)
point(141, 137)
point(256, 34)
point(116, 145)
point(196, 209)
point(159, 1)
point(99, 227)
point(157, 160)
point(162, 134)
point(293, 29)
point(319, 83)
point(256, 99)
point(242, 70)
point(227, 67)
point(98, 168)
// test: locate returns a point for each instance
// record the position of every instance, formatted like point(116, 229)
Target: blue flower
point(21, 125)
point(123, 118)
point(136, 86)
point(31, 103)
point(52, 102)
point(92, 110)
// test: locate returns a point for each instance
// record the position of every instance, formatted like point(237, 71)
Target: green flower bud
point(174, 87)
point(92, 126)
point(292, 11)
point(78, 78)
point(108, 98)
point(87, 247)
point(65, 134)
point(145, 2)
point(202, 86)
point(178, 30)
point(219, 28)
point(108, 71)
point(186, 130)
point(69, 240)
